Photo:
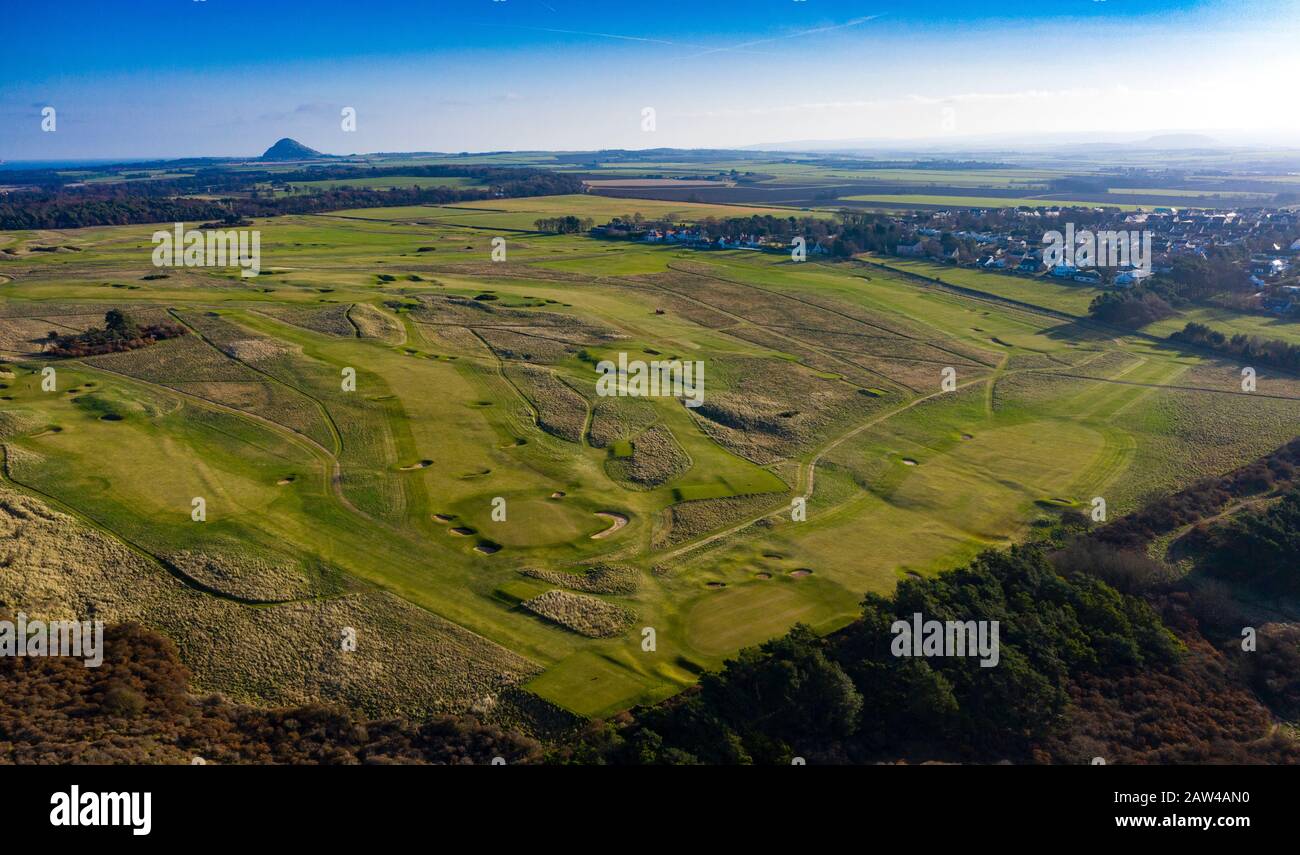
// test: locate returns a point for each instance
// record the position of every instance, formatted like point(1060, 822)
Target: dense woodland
point(1258, 547)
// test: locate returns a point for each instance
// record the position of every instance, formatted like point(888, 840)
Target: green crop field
point(474, 444)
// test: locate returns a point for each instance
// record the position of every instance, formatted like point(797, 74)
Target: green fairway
point(476, 445)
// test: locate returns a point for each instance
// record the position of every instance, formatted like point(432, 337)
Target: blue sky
point(169, 78)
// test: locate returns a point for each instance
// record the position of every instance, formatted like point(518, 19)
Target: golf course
point(395, 430)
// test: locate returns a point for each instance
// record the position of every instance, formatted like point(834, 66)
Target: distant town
point(1261, 245)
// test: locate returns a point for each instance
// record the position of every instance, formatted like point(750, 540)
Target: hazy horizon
point(521, 75)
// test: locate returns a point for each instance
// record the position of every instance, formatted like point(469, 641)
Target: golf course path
point(808, 470)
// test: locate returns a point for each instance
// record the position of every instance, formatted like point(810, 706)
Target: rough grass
point(656, 459)
point(514, 346)
point(688, 520)
point(374, 323)
point(796, 357)
point(406, 659)
point(329, 320)
point(584, 615)
point(599, 578)
point(190, 365)
point(363, 420)
point(560, 410)
point(615, 418)
point(247, 576)
point(770, 410)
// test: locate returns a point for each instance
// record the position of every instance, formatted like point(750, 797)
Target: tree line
point(850, 232)
point(563, 225)
point(162, 201)
point(1261, 351)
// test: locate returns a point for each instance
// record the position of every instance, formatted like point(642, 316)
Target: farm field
point(475, 510)
point(520, 213)
point(913, 200)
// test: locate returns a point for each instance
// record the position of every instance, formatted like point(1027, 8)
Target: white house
point(1131, 277)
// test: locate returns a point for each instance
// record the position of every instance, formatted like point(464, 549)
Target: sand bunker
point(617, 521)
point(423, 464)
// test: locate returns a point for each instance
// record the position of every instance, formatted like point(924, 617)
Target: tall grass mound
point(770, 410)
point(15, 423)
point(247, 576)
point(373, 323)
point(584, 615)
point(688, 520)
point(599, 578)
point(613, 419)
point(560, 410)
point(656, 459)
point(329, 320)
